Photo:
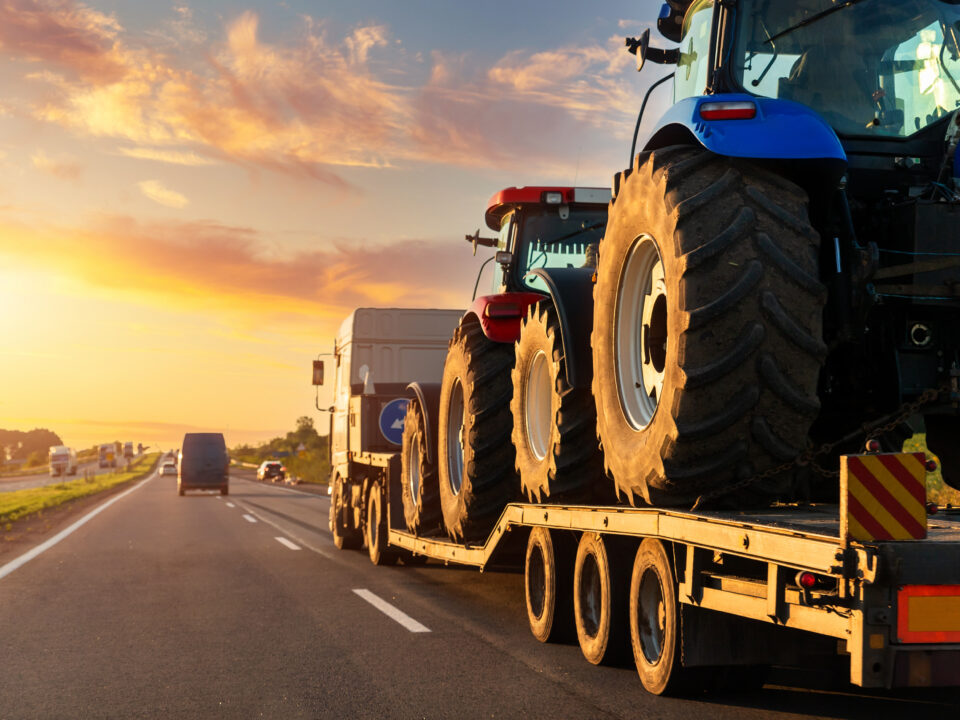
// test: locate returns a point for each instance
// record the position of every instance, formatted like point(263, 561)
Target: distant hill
point(20, 445)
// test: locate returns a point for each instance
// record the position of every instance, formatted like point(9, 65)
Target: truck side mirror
point(318, 372)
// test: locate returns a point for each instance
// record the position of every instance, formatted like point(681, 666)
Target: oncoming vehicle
point(63, 461)
point(168, 468)
point(271, 470)
point(203, 463)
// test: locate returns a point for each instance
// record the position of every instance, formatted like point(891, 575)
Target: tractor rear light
point(807, 580)
point(930, 465)
point(739, 110)
point(872, 446)
point(553, 198)
point(503, 310)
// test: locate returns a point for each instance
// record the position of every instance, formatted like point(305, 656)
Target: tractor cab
point(543, 228)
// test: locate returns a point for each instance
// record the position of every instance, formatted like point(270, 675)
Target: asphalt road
point(240, 606)
point(32, 480)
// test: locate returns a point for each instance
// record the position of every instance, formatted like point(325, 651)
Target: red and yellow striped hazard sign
point(883, 496)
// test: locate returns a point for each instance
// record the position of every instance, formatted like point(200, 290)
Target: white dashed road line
point(286, 543)
point(303, 543)
point(249, 518)
point(230, 505)
point(391, 612)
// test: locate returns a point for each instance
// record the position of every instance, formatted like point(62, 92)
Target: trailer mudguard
point(781, 130)
point(500, 316)
point(428, 397)
point(571, 290)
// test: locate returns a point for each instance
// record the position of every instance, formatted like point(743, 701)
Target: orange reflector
point(928, 614)
point(883, 497)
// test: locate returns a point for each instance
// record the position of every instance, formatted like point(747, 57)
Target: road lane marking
point(300, 540)
point(283, 488)
point(391, 612)
point(249, 518)
point(230, 505)
point(44, 546)
point(286, 543)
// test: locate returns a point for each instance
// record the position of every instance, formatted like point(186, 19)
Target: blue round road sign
point(391, 420)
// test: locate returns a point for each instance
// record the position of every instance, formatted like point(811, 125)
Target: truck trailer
point(63, 461)
point(107, 455)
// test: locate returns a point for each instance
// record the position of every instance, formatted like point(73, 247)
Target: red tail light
point(806, 580)
point(733, 110)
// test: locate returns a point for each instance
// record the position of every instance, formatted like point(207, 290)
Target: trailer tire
point(475, 456)
point(377, 531)
point(553, 423)
point(707, 329)
point(344, 536)
point(655, 621)
point(548, 585)
point(599, 601)
point(419, 482)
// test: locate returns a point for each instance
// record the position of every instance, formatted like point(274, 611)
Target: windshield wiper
point(811, 20)
point(581, 231)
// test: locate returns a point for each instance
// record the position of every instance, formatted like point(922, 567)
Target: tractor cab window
point(548, 240)
point(870, 68)
point(690, 78)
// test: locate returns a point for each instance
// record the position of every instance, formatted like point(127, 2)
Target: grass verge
point(937, 490)
point(22, 503)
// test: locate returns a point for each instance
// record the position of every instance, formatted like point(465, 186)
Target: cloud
point(317, 104)
point(155, 190)
point(174, 157)
point(231, 272)
point(65, 168)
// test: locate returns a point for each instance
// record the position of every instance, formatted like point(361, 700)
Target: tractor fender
point(781, 130)
point(500, 316)
point(571, 290)
point(427, 395)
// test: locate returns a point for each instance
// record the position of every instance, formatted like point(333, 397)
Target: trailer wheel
point(419, 483)
point(476, 458)
point(345, 537)
point(655, 621)
point(553, 423)
point(707, 336)
point(548, 581)
point(377, 531)
point(599, 602)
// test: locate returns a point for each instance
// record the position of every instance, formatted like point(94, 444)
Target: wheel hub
point(455, 437)
point(539, 398)
point(640, 345)
point(653, 617)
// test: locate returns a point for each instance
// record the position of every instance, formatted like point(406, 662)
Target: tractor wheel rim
point(413, 462)
point(652, 620)
point(455, 431)
point(538, 405)
point(640, 344)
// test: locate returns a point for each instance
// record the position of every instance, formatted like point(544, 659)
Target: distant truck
point(63, 461)
point(107, 456)
point(380, 355)
point(128, 449)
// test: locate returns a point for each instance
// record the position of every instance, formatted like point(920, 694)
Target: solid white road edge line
point(391, 612)
point(249, 518)
point(286, 543)
point(303, 543)
point(46, 545)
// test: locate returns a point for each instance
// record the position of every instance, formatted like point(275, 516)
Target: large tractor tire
point(707, 329)
point(476, 458)
point(553, 424)
point(943, 439)
point(420, 486)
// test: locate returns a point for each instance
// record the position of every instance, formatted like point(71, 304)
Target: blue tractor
point(781, 267)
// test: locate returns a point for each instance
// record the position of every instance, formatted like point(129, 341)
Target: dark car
point(271, 470)
point(204, 463)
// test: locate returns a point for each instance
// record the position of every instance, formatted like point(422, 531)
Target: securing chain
point(808, 458)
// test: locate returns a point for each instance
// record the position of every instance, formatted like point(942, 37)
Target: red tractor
point(520, 352)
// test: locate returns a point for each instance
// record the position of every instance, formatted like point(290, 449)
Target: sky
point(194, 195)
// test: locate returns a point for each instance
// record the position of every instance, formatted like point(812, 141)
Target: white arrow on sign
point(397, 424)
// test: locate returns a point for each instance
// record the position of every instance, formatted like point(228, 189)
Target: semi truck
point(107, 455)
point(703, 595)
point(128, 450)
point(63, 461)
